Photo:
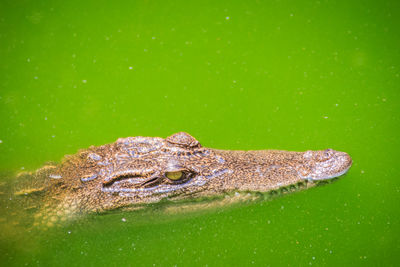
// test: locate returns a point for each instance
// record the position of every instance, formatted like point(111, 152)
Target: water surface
point(235, 75)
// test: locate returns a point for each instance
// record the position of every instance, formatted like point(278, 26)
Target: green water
point(236, 75)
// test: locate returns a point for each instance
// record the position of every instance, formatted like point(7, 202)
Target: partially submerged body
point(136, 171)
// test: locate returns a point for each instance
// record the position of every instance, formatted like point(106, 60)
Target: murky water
point(250, 75)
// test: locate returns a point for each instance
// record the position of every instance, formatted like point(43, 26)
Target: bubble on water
point(84, 81)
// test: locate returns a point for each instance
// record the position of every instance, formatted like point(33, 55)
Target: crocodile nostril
point(324, 155)
point(328, 152)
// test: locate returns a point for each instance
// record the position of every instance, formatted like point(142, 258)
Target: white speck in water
point(1, 141)
point(234, 81)
point(45, 118)
point(153, 37)
point(69, 232)
point(84, 81)
point(227, 18)
point(36, 77)
point(53, 136)
point(362, 171)
point(336, 105)
point(28, 59)
point(282, 207)
point(130, 67)
point(145, 50)
point(325, 117)
point(313, 258)
point(123, 219)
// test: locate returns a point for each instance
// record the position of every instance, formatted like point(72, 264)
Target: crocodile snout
point(326, 164)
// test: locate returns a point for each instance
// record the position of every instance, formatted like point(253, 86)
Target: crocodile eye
point(174, 175)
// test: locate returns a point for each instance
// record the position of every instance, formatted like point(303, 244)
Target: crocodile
point(136, 171)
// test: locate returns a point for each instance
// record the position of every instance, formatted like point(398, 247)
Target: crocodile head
point(139, 170)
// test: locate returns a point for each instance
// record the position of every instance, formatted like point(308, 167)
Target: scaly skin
point(133, 171)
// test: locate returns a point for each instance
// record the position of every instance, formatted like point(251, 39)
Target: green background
point(291, 75)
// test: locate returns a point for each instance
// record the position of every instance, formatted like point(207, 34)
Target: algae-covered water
point(291, 75)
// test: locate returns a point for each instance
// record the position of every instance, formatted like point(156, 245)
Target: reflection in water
point(16, 218)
